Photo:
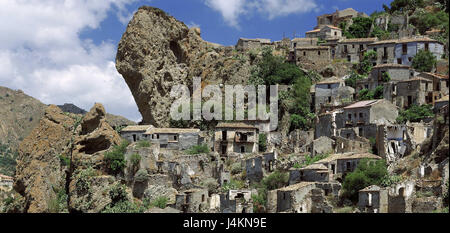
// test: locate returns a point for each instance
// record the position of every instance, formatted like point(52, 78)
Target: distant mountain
point(72, 109)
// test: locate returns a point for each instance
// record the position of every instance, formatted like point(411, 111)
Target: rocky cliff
point(157, 51)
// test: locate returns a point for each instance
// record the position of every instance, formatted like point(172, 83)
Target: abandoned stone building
point(322, 145)
point(357, 145)
point(6, 182)
point(385, 50)
point(407, 48)
point(254, 168)
point(332, 92)
point(192, 201)
point(325, 32)
point(303, 197)
point(361, 118)
point(385, 20)
point(312, 54)
point(235, 137)
point(339, 165)
point(311, 173)
point(173, 138)
point(385, 73)
point(339, 16)
point(440, 103)
point(396, 141)
point(416, 91)
point(303, 42)
point(134, 133)
point(373, 199)
point(440, 84)
point(236, 201)
point(352, 50)
point(247, 44)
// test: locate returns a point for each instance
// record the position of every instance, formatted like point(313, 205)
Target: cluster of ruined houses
point(345, 128)
point(6, 182)
point(327, 43)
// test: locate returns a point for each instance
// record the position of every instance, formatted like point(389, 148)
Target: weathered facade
point(339, 16)
point(385, 73)
point(247, 44)
point(6, 182)
point(236, 201)
point(192, 201)
point(312, 54)
point(173, 138)
point(407, 48)
point(416, 91)
point(373, 199)
point(325, 32)
point(353, 49)
point(235, 137)
point(134, 133)
point(332, 92)
point(303, 42)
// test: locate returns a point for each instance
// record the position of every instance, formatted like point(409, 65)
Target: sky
point(63, 51)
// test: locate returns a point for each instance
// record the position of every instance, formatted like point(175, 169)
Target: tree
point(369, 172)
point(115, 159)
point(366, 64)
point(353, 78)
point(424, 61)
point(360, 28)
point(404, 6)
point(415, 113)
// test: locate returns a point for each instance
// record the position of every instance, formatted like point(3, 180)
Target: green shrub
point(115, 159)
point(135, 159)
point(64, 160)
point(415, 113)
point(359, 29)
point(276, 180)
point(424, 61)
point(368, 172)
point(353, 78)
point(198, 149)
point(236, 168)
point(160, 202)
point(143, 144)
point(262, 142)
point(141, 176)
point(232, 184)
point(310, 160)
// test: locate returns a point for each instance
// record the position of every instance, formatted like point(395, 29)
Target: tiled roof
point(333, 27)
point(416, 79)
point(362, 104)
point(134, 128)
point(304, 39)
point(405, 40)
point(355, 40)
point(390, 65)
point(350, 155)
point(315, 166)
point(296, 186)
point(331, 80)
point(371, 188)
point(240, 125)
point(312, 48)
point(439, 76)
point(315, 30)
point(171, 130)
point(257, 40)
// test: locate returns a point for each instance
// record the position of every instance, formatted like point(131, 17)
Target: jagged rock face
point(38, 170)
point(157, 52)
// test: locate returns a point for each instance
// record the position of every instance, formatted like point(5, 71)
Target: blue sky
point(63, 51)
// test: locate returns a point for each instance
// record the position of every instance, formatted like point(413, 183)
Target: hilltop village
point(375, 139)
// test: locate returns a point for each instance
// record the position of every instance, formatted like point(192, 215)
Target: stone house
point(339, 165)
point(322, 145)
point(247, 44)
point(325, 32)
point(6, 182)
point(236, 201)
point(192, 201)
point(416, 91)
point(339, 16)
point(303, 42)
point(311, 173)
point(396, 141)
point(332, 92)
point(134, 133)
point(440, 84)
point(361, 118)
point(380, 75)
point(254, 168)
point(407, 48)
point(357, 145)
point(373, 199)
point(173, 138)
point(440, 103)
point(235, 137)
point(353, 49)
point(312, 54)
point(385, 50)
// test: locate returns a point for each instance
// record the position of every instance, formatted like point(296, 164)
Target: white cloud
point(42, 54)
point(231, 10)
point(193, 25)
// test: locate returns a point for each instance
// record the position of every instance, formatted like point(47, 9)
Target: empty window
point(345, 48)
point(353, 46)
point(360, 131)
point(349, 58)
point(329, 86)
point(349, 116)
point(361, 47)
point(304, 53)
point(224, 135)
point(399, 61)
point(295, 45)
point(203, 198)
point(361, 115)
point(404, 48)
point(243, 149)
point(427, 47)
point(335, 33)
point(329, 99)
point(318, 52)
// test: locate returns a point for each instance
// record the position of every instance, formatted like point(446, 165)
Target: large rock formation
point(157, 52)
point(43, 176)
point(38, 170)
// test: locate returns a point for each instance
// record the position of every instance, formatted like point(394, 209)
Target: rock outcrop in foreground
point(53, 156)
point(157, 52)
